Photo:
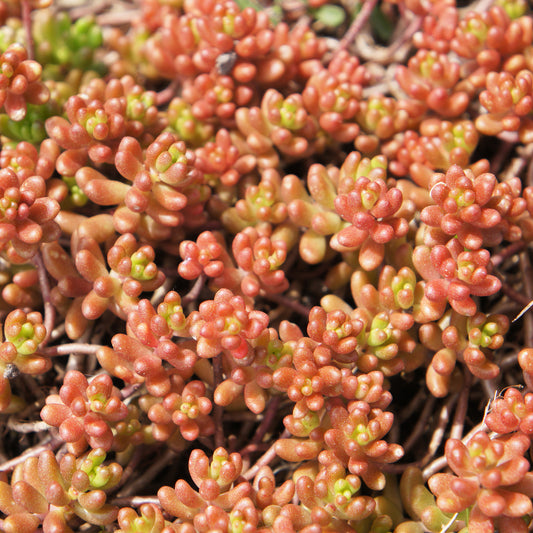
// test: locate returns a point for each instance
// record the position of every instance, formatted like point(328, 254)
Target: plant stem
point(527, 272)
point(357, 25)
point(270, 414)
point(26, 22)
point(51, 443)
point(164, 96)
point(194, 293)
point(514, 294)
point(265, 459)
point(434, 467)
point(289, 303)
point(131, 466)
point(67, 349)
point(420, 425)
point(438, 433)
point(145, 478)
point(27, 427)
point(49, 309)
point(135, 501)
point(499, 258)
point(460, 413)
point(218, 410)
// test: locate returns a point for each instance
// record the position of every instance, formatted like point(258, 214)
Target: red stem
point(49, 309)
point(26, 22)
point(357, 25)
point(51, 444)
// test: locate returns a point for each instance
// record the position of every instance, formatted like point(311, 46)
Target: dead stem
point(58, 332)
point(406, 35)
point(480, 6)
point(88, 9)
point(395, 53)
point(76, 360)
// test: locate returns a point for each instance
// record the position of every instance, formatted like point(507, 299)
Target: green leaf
point(330, 15)
point(381, 24)
point(254, 4)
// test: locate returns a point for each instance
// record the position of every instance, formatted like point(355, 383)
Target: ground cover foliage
point(266, 266)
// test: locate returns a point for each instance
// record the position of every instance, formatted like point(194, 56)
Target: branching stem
point(358, 24)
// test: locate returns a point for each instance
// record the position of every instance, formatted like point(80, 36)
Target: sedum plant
point(266, 266)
